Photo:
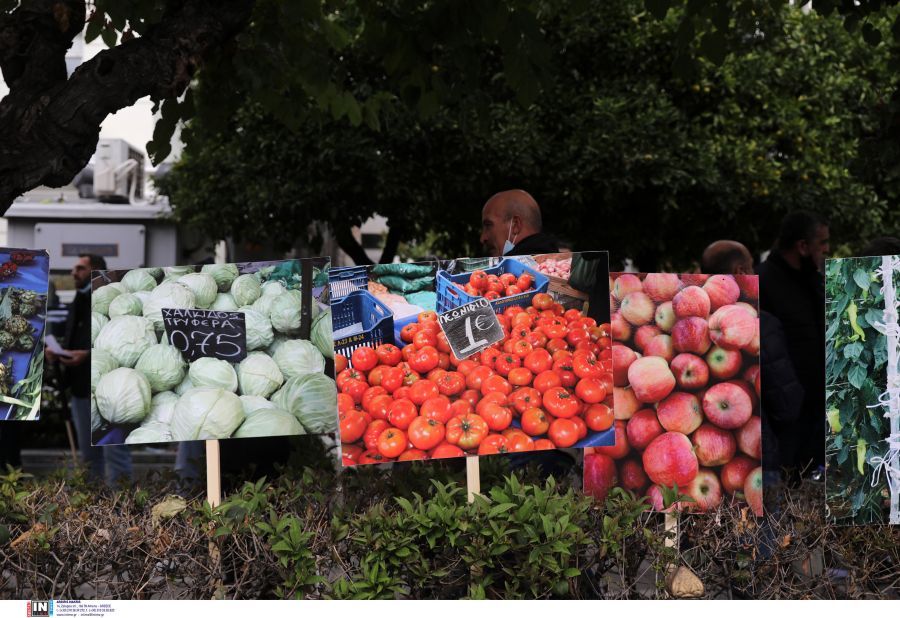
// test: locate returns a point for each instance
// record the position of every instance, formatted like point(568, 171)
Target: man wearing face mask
point(511, 225)
point(792, 288)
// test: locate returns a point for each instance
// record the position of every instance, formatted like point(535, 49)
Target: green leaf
point(857, 375)
point(93, 30)
point(871, 34)
point(853, 350)
point(109, 36)
point(861, 278)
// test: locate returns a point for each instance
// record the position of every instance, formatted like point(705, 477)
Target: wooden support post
point(473, 478)
point(213, 474)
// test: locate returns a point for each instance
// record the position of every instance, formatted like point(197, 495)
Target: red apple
point(622, 357)
point(599, 475)
point(691, 372)
point(644, 334)
point(651, 379)
point(632, 476)
point(747, 387)
point(723, 290)
point(694, 278)
point(665, 317)
point(727, 406)
point(642, 429)
point(637, 308)
point(753, 491)
point(712, 445)
point(626, 284)
point(680, 412)
point(619, 327)
point(748, 308)
point(735, 472)
point(749, 437)
point(669, 460)
point(654, 493)
point(749, 286)
point(750, 373)
point(691, 302)
point(723, 364)
point(620, 448)
point(705, 490)
point(752, 348)
point(691, 335)
point(661, 287)
point(625, 404)
point(731, 327)
point(613, 303)
point(660, 346)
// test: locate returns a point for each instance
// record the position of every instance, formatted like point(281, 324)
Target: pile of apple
point(686, 391)
point(556, 268)
point(493, 286)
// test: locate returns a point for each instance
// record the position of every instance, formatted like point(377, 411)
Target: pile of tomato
point(493, 287)
point(547, 384)
point(8, 269)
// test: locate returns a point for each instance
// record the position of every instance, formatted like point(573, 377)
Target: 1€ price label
point(471, 327)
point(207, 334)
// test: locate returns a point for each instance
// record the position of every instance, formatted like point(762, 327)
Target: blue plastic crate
point(342, 281)
point(449, 296)
point(374, 320)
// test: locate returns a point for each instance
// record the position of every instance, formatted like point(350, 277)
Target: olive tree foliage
point(622, 148)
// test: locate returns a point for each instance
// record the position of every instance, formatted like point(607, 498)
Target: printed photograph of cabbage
point(862, 390)
point(143, 389)
point(24, 280)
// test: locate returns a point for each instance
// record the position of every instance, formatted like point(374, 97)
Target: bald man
point(511, 225)
point(727, 257)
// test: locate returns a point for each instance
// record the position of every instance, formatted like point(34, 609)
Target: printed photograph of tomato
point(862, 408)
point(402, 393)
point(686, 390)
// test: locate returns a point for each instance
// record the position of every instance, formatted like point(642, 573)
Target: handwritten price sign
point(207, 334)
point(471, 328)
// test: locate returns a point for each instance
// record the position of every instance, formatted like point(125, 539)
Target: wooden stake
point(473, 478)
point(71, 442)
point(213, 474)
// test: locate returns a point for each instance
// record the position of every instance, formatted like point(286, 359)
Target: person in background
point(114, 461)
point(885, 245)
point(726, 257)
point(792, 289)
point(511, 224)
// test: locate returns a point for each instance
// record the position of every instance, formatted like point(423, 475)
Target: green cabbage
point(163, 366)
point(139, 280)
point(273, 288)
point(259, 329)
point(118, 285)
point(102, 362)
point(150, 433)
point(98, 321)
point(162, 408)
point(224, 274)
point(96, 419)
point(213, 373)
point(269, 422)
point(123, 396)
point(206, 414)
point(259, 375)
point(312, 398)
point(125, 304)
point(102, 297)
point(169, 295)
point(126, 337)
point(252, 403)
point(321, 334)
point(285, 312)
point(203, 286)
point(185, 385)
point(296, 357)
point(155, 272)
point(176, 272)
point(246, 290)
point(263, 304)
point(224, 302)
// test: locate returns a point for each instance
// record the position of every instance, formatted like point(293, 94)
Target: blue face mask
point(509, 245)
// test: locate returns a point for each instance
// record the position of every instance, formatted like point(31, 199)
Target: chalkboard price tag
point(471, 327)
point(207, 334)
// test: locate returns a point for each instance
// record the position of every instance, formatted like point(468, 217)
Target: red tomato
point(582, 427)
point(424, 359)
point(524, 398)
point(554, 345)
point(442, 344)
point(340, 363)
point(435, 374)
point(478, 280)
point(493, 445)
point(412, 455)
point(563, 432)
point(427, 316)
point(492, 295)
point(507, 279)
point(520, 376)
point(466, 366)
point(375, 375)
point(506, 362)
point(401, 393)
point(489, 356)
point(409, 376)
point(446, 450)
point(472, 396)
point(522, 348)
point(560, 403)
point(543, 444)
point(401, 413)
point(520, 443)
point(437, 408)
point(524, 281)
point(392, 442)
point(348, 374)
point(512, 290)
point(425, 338)
point(371, 393)
point(443, 360)
point(370, 437)
point(461, 407)
point(372, 456)
point(364, 358)
point(466, 431)
point(496, 416)
point(599, 417)
point(355, 388)
point(426, 433)
point(422, 391)
point(477, 377)
point(451, 383)
point(345, 402)
point(496, 383)
point(351, 452)
point(621, 446)
point(535, 422)
point(546, 380)
point(388, 354)
point(379, 406)
point(495, 397)
point(538, 361)
point(522, 320)
point(352, 426)
point(408, 332)
point(590, 390)
point(391, 379)
point(585, 365)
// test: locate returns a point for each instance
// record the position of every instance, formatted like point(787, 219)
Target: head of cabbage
point(126, 337)
point(125, 304)
point(169, 295)
point(163, 366)
point(246, 289)
point(162, 408)
point(123, 396)
point(296, 357)
point(312, 398)
point(213, 373)
point(252, 403)
point(203, 286)
point(259, 375)
point(139, 280)
point(206, 414)
point(102, 297)
point(98, 321)
point(269, 422)
point(102, 362)
point(285, 312)
point(150, 433)
point(224, 302)
point(259, 329)
point(224, 274)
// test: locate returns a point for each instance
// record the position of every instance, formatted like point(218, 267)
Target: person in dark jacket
point(793, 290)
point(77, 377)
point(511, 224)
point(781, 391)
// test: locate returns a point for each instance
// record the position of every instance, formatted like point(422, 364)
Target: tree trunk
point(344, 236)
point(50, 124)
point(391, 244)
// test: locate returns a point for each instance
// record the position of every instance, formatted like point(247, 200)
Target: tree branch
point(50, 128)
point(346, 241)
point(391, 244)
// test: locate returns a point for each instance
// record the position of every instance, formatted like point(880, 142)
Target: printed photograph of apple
point(259, 365)
point(546, 384)
point(686, 389)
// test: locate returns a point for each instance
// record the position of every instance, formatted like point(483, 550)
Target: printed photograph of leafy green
point(862, 390)
point(144, 390)
point(24, 279)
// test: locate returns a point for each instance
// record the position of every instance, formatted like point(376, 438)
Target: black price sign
point(207, 334)
point(471, 327)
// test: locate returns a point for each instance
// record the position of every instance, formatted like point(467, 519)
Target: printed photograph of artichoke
point(24, 280)
point(278, 382)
